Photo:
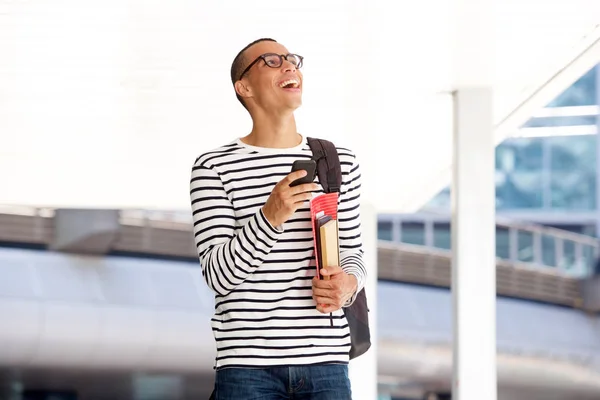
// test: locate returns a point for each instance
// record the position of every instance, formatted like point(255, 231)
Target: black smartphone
point(310, 166)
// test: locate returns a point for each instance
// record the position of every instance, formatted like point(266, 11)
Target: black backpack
point(330, 176)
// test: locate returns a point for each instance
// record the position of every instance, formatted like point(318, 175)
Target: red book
point(323, 208)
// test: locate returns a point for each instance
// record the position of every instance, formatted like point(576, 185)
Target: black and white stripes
point(261, 275)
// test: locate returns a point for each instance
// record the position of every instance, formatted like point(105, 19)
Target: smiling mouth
point(289, 84)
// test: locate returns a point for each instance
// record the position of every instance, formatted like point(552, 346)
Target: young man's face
point(274, 89)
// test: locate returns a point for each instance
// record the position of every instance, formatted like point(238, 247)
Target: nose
point(288, 66)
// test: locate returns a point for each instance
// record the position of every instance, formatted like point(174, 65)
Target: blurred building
point(548, 176)
point(548, 173)
point(546, 189)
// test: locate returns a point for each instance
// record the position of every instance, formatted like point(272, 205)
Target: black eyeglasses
point(275, 61)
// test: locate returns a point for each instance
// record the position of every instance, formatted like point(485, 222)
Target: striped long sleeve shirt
point(262, 275)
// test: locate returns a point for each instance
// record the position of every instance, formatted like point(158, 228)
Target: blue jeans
point(311, 382)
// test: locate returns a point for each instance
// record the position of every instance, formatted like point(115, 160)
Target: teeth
point(289, 81)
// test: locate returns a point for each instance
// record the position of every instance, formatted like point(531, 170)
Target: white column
point(363, 370)
point(473, 202)
point(473, 246)
point(359, 129)
point(597, 155)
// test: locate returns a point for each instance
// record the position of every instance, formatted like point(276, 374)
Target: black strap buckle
point(332, 181)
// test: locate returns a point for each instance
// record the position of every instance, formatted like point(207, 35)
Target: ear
point(242, 89)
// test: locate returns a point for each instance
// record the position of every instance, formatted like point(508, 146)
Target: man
point(280, 332)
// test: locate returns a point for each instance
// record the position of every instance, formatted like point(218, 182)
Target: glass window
point(384, 230)
point(413, 233)
point(441, 201)
point(547, 172)
point(573, 172)
point(442, 235)
point(502, 243)
point(581, 93)
point(589, 260)
point(526, 248)
point(519, 169)
point(548, 251)
point(568, 261)
point(542, 173)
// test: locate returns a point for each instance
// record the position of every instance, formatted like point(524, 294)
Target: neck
point(273, 131)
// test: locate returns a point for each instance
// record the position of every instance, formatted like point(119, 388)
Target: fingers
point(304, 188)
point(331, 271)
point(327, 292)
point(331, 295)
point(302, 193)
point(327, 308)
point(301, 198)
point(285, 200)
point(328, 305)
point(325, 285)
point(323, 295)
point(291, 177)
point(324, 300)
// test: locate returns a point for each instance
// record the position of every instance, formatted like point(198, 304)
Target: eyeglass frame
point(281, 57)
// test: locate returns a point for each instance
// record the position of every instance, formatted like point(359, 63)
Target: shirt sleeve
point(226, 258)
point(351, 248)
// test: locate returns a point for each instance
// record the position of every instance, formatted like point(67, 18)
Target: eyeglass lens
point(275, 60)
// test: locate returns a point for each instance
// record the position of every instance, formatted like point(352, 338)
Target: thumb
point(330, 271)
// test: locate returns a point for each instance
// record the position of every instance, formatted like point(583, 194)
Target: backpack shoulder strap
point(330, 176)
point(328, 164)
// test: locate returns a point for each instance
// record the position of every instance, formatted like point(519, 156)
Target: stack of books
point(323, 210)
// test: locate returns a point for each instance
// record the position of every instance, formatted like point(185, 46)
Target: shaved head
point(240, 62)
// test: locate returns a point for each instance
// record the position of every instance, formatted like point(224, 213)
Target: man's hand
point(285, 200)
point(332, 294)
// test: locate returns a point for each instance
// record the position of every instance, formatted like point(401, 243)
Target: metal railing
point(430, 266)
point(527, 244)
point(170, 234)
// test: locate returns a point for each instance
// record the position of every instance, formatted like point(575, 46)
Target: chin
point(292, 99)
point(294, 107)
point(297, 104)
